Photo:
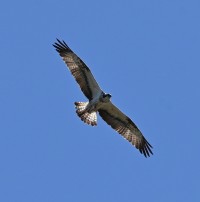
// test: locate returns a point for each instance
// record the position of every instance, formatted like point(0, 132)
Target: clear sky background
point(146, 54)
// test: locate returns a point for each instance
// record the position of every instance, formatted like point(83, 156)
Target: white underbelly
point(94, 105)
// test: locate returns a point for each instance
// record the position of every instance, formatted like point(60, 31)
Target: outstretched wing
point(79, 70)
point(125, 126)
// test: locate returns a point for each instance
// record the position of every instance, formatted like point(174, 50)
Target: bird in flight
point(99, 102)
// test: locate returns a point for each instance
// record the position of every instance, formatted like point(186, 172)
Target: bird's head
point(106, 97)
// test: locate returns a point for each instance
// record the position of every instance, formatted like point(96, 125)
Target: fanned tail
point(89, 118)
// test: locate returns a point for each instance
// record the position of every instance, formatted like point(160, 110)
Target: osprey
point(98, 101)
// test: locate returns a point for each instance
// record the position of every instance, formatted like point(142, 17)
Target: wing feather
point(79, 70)
point(125, 126)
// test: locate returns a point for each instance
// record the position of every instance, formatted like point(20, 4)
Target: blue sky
point(146, 54)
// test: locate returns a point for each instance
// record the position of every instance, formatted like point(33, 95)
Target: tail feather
point(89, 118)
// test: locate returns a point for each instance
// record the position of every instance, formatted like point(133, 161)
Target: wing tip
point(145, 148)
point(61, 46)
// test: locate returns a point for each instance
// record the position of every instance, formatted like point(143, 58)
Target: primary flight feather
point(98, 101)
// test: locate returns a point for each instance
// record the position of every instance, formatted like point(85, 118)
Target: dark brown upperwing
point(125, 126)
point(79, 70)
